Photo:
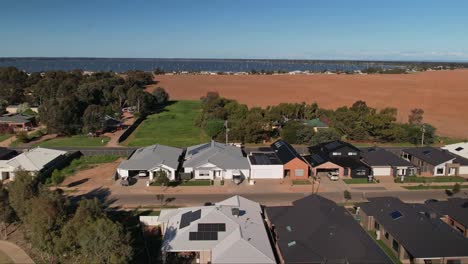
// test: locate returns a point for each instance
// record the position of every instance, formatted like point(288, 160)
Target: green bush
point(57, 177)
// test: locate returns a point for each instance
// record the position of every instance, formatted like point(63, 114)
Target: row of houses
point(215, 160)
point(314, 230)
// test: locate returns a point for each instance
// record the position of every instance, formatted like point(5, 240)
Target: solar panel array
point(203, 236)
point(333, 145)
point(189, 217)
point(212, 227)
point(317, 158)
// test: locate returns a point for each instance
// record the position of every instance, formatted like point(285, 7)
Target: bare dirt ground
point(442, 94)
point(98, 176)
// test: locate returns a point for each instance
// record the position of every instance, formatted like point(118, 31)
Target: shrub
point(57, 177)
point(456, 188)
point(22, 137)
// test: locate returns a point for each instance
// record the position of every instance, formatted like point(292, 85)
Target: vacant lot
point(175, 126)
point(439, 93)
point(75, 141)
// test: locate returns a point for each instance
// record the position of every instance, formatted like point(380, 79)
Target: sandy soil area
point(442, 94)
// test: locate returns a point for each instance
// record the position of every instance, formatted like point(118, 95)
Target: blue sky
point(297, 29)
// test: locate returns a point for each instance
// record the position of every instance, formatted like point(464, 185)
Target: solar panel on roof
point(395, 215)
point(426, 152)
point(279, 144)
point(216, 227)
point(333, 144)
point(203, 236)
point(189, 217)
point(317, 158)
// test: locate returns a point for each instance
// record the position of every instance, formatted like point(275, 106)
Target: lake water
point(191, 65)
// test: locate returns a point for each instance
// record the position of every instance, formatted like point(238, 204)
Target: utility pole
point(422, 136)
point(227, 131)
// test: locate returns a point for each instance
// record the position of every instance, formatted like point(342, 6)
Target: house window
point(376, 226)
point(440, 171)
point(204, 173)
point(299, 172)
point(336, 153)
point(395, 246)
point(352, 153)
point(386, 235)
point(361, 172)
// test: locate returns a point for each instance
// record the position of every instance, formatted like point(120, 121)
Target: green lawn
point(356, 181)
point(174, 127)
point(197, 183)
point(301, 182)
point(431, 179)
point(435, 187)
point(385, 248)
point(5, 137)
point(75, 141)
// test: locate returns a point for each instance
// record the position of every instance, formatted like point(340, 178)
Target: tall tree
point(93, 118)
point(21, 191)
point(161, 96)
point(416, 116)
point(6, 212)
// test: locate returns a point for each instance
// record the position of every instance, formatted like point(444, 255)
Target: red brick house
point(294, 165)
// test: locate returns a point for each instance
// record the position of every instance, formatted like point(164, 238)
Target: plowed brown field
point(442, 94)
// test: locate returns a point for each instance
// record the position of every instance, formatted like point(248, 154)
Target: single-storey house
point(317, 230)
point(454, 212)
point(265, 165)
point(385, 163)
point(460, 151)
point(18, 121)
point(340, 157)
point(316, 124)
point(35, 161)
point(230, 231)
point(149, 160)
point(13, 109)
point(431, 161)
point(294, 165)
point(215, 160)
point(6, 153)
point(110, 124)
point(413, 232)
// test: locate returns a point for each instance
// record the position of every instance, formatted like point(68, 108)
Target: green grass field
point(5, 137)
point(173, 127)
point(431, 179)
point(301, 182)
point(75, 141)
point(357, 181)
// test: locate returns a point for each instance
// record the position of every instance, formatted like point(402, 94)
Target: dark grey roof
point(316, 230)
point(337, 144)
point(430, 155)
point(382, 157)
point(347, 162)
point(420, 234)
point(6, 153)
point(460, 160)
point(316, 158)
point(285, 151)
point(264, 158)
point(456, 208)
point(16, 118)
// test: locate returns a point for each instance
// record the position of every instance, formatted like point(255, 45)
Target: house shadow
point(76, 183)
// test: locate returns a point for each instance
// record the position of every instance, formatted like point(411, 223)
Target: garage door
point(264, 174)
point(382, 171)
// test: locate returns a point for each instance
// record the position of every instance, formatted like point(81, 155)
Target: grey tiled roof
point(152, 156)
point(430, 155)
point(222, 155)
point(16, 118)
point(420, 234)
point(382, 157)
point(316, 230)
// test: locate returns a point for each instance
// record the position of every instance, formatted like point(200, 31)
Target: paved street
point(149, 200)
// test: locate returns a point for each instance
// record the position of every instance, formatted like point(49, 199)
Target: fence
point(130, 130)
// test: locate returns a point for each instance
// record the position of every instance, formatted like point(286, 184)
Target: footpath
point(15, 253)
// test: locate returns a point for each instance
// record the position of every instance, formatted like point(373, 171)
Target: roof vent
point(292, 243)
point(235, 212)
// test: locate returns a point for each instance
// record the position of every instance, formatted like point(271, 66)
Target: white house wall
point(266, 171)
point(463, 170)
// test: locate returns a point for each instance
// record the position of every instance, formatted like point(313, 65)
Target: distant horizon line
point(238, 59)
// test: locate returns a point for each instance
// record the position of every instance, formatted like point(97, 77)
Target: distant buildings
point(18, 122)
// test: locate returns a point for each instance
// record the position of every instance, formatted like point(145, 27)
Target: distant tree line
point(60, 231)
point(358, 122)
point(72, 102)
